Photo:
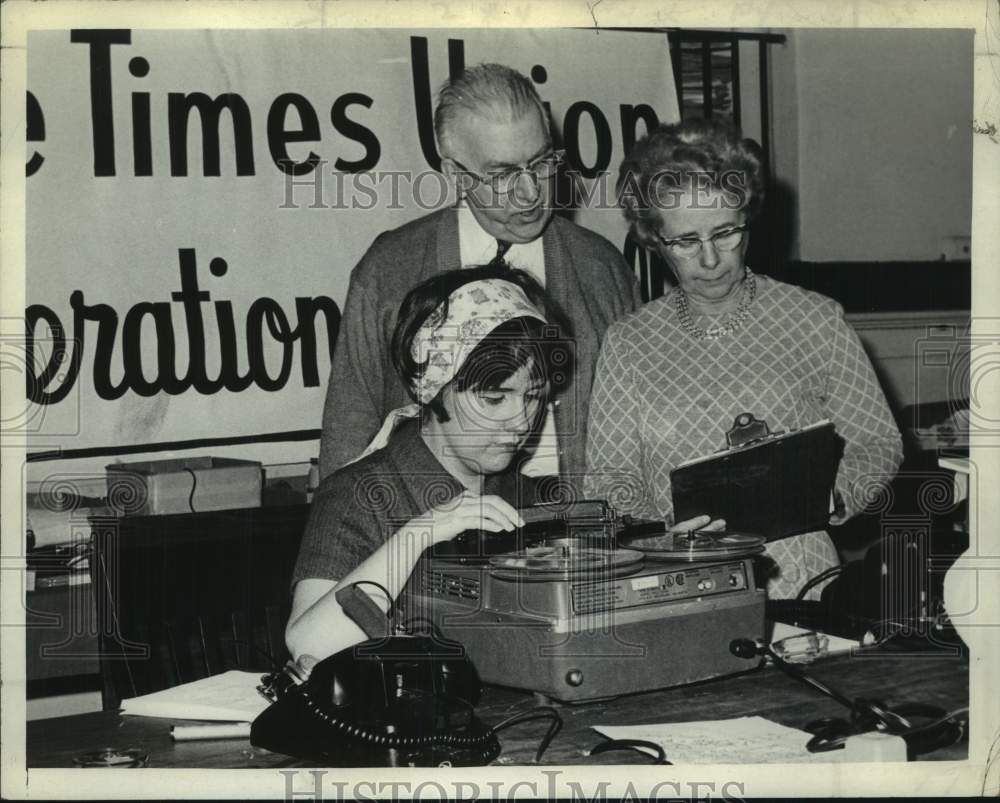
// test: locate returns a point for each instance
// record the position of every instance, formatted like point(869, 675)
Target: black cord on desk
point(942, 729)
point(833, 571)
point(541, 712)
point(630, 744)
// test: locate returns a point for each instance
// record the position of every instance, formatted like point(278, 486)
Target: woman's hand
point(699, 523)
point(468, 512)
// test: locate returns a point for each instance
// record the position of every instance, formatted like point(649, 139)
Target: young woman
point(478, 350)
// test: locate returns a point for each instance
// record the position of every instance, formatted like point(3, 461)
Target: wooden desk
point(938, 681)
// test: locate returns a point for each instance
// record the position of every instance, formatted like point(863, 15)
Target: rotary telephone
point(392, 701)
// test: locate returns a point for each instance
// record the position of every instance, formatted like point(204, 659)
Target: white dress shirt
point(477, 247)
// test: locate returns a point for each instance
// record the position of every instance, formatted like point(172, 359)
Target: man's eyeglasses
point(503, 182)
point(688, 247)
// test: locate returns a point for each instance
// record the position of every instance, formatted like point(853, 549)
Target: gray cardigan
point(585, 275)
point(358, 508)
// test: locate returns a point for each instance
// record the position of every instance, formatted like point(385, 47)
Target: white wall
point(872, 129)
point(784, 119)
point(919, 357)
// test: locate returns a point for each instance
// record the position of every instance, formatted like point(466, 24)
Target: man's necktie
point(502, 248)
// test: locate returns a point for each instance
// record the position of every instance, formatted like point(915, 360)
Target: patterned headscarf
point(474, 310)
point(445, 342)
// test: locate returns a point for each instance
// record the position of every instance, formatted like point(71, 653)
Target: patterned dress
point(662, 397)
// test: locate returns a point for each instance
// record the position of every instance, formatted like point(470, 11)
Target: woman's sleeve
point(873, 447)
point(339, 534)
point(614, 446)
point(344, 543)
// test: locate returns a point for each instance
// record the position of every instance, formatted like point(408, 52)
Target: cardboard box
point(183, 485)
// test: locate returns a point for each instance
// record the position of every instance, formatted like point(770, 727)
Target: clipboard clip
point(747, 429)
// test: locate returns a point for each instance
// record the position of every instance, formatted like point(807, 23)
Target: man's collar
point(478, 247)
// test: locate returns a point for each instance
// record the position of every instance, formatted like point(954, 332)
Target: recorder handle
point(363, 611)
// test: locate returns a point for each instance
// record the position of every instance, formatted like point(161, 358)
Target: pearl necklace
point(733, 321)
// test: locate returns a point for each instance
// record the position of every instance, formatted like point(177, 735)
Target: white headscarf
point(444, 343)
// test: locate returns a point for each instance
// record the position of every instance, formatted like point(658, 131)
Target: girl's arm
point(318, 625)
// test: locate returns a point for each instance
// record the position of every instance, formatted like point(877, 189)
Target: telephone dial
point(396, 701)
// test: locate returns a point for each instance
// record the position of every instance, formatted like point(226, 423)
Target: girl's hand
point(699, 523)
point(468, 512)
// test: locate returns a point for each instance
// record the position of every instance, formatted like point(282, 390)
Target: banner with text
point(196, 201)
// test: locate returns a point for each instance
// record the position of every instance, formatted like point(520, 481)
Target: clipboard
point(776, 486)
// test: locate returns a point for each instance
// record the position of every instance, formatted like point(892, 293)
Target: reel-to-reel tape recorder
point(562, 609)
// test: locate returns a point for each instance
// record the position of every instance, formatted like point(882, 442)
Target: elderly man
point(494, 139)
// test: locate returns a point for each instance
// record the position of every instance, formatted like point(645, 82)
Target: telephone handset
point(392, 701)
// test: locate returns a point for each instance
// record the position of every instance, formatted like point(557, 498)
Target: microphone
point(866, 715)
point(748, 648)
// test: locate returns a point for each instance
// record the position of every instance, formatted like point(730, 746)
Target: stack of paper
point(745, 740)
point(230, 696)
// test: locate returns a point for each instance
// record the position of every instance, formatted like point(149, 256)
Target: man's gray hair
point(484, 89)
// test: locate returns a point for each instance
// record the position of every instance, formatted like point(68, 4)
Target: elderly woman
point(673, 376)
point(476, 349)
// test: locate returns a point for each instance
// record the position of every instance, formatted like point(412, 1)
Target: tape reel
point(698, 545)
point(563, 558)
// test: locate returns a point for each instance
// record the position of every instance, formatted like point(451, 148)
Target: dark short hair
point(546, 345)
point(699, 154)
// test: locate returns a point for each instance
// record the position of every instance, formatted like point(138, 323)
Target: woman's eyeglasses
point(503, 182)
point(688, 247)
